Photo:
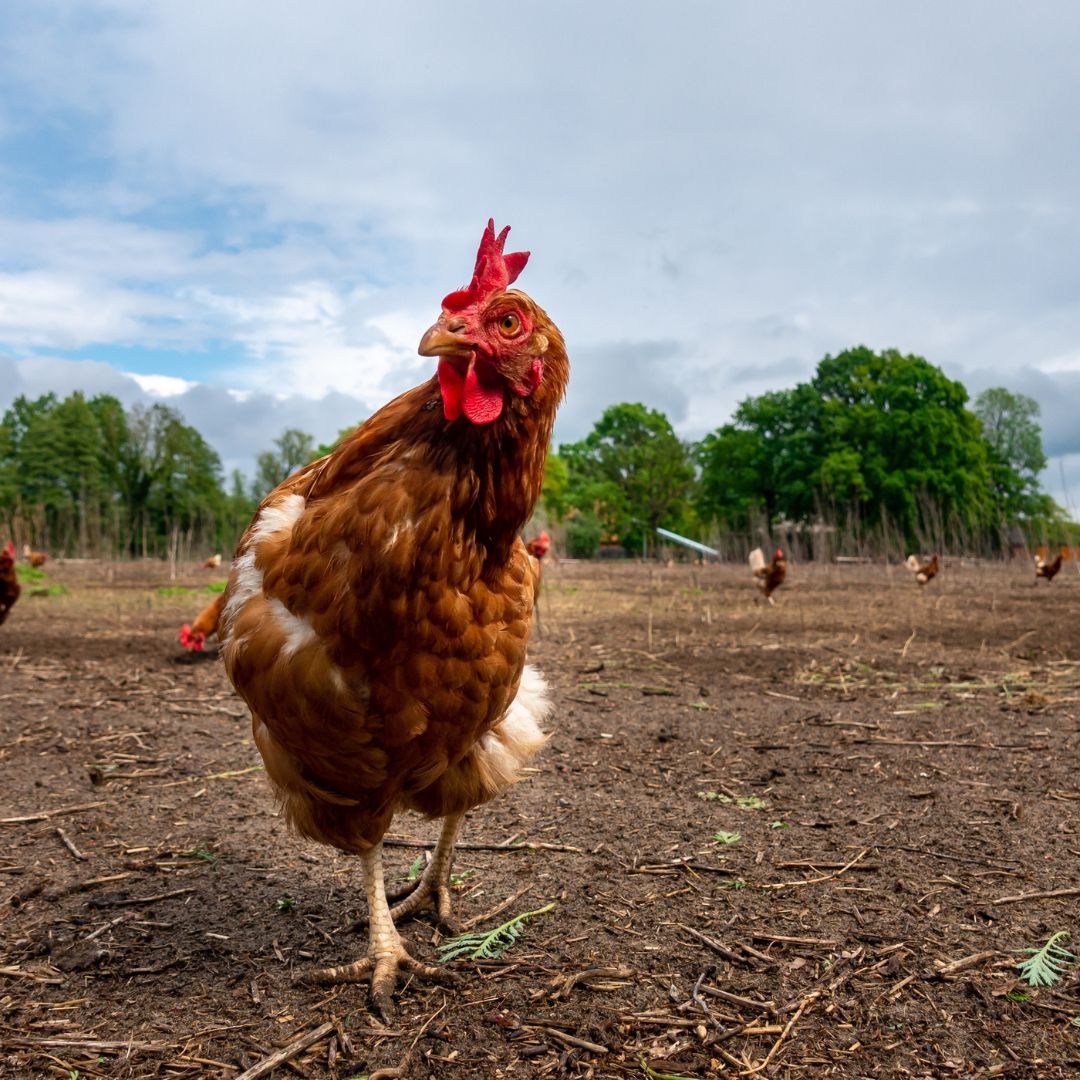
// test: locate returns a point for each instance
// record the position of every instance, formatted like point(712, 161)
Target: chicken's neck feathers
point(490, 476)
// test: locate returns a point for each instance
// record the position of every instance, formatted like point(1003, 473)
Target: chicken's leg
point(386, 954)
point(433, 888)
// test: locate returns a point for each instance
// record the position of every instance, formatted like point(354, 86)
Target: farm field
point(795, 841)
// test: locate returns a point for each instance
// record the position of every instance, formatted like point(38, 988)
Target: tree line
point(878, 452)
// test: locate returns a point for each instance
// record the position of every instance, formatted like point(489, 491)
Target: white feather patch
point(518, 735)
point(247, 577)
point(298, 631)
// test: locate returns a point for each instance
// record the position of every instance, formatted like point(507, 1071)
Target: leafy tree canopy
point(631, 471)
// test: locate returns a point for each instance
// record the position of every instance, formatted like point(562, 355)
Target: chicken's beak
point(445, 338)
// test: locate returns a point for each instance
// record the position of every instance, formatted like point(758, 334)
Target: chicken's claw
point(384, 971)
point(425, 893)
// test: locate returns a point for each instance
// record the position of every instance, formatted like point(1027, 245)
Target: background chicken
point(212, 563)
point(539, 546)
point(768, 577)
point(9, 582)
point(34, 558)
point(193, 637)
point(1044, 569)
point(924, 571)
point(379, 605)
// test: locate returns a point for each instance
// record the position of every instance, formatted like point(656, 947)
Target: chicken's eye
point(509, 324)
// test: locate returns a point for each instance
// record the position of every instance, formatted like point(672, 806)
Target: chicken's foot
point(387, 956)
point(432, 889)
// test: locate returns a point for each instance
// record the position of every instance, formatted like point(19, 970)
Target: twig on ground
point(803, 1006)
point(573, 1040)
point(943, 855)
point(1049, 894)
point(726, 953)
point(476, 920)
point(817, 881)
point(134, 900)
point(954, 967)
point(46, 814)
point(69, 844)
point(524, 845)
point(286, 1053)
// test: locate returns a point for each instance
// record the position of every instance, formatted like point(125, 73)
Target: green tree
point(293, 448)
point(1014, 437)
point(762, 462)
point(896, 439)
point(873, 439)
point(631, 471)
point(556, 487)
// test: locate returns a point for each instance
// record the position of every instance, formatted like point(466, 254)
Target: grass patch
point(49, 590)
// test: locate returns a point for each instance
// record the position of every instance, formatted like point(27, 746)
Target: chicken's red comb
point(10, 549)
point(493, 270)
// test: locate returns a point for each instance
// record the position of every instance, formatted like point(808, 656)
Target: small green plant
point(1046, 966)
point(722, 837)
point(779, 824)
point(31, 574)
point(203, 853)
point(216, 586)
point(1017, 995)
point(743, 802)
point(415, 869)
point(285, 903)
point(733, 883)
point(652, 1073)
point(460, 879)
point(174, 590)
point(487, 944)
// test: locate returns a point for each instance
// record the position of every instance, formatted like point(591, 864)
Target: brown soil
point(897, 763)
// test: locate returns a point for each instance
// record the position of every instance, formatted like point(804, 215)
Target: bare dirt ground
point(894, 771)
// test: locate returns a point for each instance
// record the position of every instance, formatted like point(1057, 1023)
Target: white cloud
point(715, 197)
point(160, 385)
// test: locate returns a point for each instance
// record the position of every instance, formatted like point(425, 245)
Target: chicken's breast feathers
point(375, 635)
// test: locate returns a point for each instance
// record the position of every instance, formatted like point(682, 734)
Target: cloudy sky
point(251, 210)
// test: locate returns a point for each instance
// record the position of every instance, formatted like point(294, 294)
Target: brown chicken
point(9, 582)
point(379, 604)
point(768, 577)
point(34, 558)
point(212, 563)
point(924, 572)
point(539, 546)
point(1044, 569)
point(193, 637)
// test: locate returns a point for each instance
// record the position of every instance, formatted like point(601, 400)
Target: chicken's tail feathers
point(757, 560)
point(206, 622)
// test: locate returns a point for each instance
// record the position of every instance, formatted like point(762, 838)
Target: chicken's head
point(489, 339)
point(7, 555)
point(192, 640)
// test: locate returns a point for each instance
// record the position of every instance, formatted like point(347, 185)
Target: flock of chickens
point(379, 605)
